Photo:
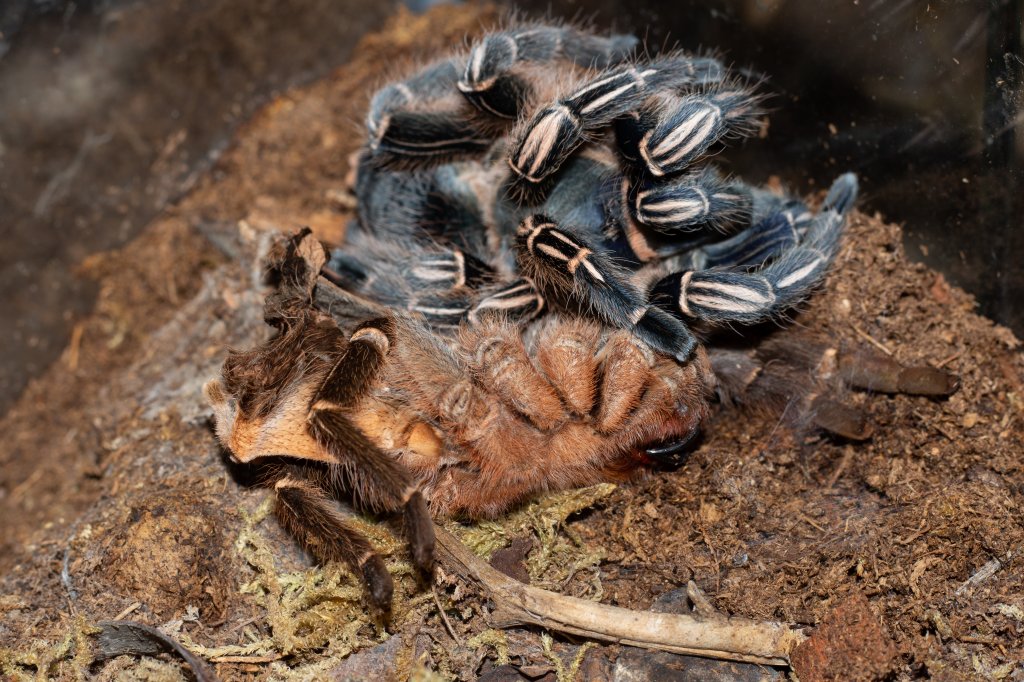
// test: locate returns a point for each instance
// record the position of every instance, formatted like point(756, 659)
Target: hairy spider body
point(539, 250)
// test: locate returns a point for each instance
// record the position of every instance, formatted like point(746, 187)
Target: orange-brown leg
point(502, 366)
point(626, 371)
point(635, 399)
point(566, 353)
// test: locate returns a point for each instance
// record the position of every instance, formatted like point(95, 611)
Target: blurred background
point(110, 109)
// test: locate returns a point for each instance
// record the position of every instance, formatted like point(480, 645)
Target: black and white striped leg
point(441, 311)
point(435, 278)
point(552, 134)
point(576, 271)
point(517, 301)
point(377, 479)
point(691, 202)
point(423, 120)
point(449, 269)
point(675, 131)
point(734, 294)
point(778, 225)
point(493, 79)
point(753, 247)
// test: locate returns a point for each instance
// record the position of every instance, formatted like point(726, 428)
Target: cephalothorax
point(539, 253)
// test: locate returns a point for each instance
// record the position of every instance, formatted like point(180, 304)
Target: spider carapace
point(531, 294)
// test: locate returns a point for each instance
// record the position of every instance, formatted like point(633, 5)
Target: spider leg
point(574, 269)
point(565, 354)
point(294, 264)
point(725, 294)
point(787, 389)
point(875, 372)
point(376, 479)
point(761, 243)
point(690, 203)
point(503, 367)
point(389, 272)
point(625, 373)
point(494, 80)
point(312, 518)
point(674, 131)
point(516, 301)
point(697, 220)
point(546, 140)
point(444, 286)
point(423, 120)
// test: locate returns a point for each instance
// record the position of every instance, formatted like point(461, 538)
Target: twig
point(977, 639)
point(840, 468)
point(65, 573)
point(870, 339)
point(120, 637)
point(19, 490)
point(75, 346)
point(989, 569)
point(247, 659)
point(701, 604)
point(444, 616)
point(735, 639)
point(810, 522)
point(945, 361)
point(131, 607)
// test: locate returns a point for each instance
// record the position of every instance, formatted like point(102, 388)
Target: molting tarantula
point(532, 293)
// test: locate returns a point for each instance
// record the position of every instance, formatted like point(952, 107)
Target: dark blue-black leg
point(736, 293)
point(496, 77)
point(581, 274)
point(544, 142)
point(423, 120)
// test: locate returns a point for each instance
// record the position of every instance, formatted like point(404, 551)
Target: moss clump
point(67, 658)
point(558, 555)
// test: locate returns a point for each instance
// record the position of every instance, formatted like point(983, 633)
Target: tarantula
point(533, 294)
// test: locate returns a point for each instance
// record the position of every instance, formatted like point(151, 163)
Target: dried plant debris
point(122, 503)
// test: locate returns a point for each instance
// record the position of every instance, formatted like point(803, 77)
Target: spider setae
point(534, 294)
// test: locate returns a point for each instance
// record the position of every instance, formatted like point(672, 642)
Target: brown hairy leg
point(376, 479)
point(313, 519)
point(291, 396)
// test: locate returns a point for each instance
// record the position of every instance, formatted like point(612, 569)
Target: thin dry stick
point(444, 617)
point(872, 340)
point(734, 639)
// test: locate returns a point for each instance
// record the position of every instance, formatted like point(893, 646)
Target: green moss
point(318, 616)
point(493, 639)
point(562, 672)
point(68, 658)
point(558, 556)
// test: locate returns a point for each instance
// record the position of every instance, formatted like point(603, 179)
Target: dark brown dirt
point(776, 525)
point(117, 501)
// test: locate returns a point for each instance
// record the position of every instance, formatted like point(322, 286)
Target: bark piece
point(849, 644)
